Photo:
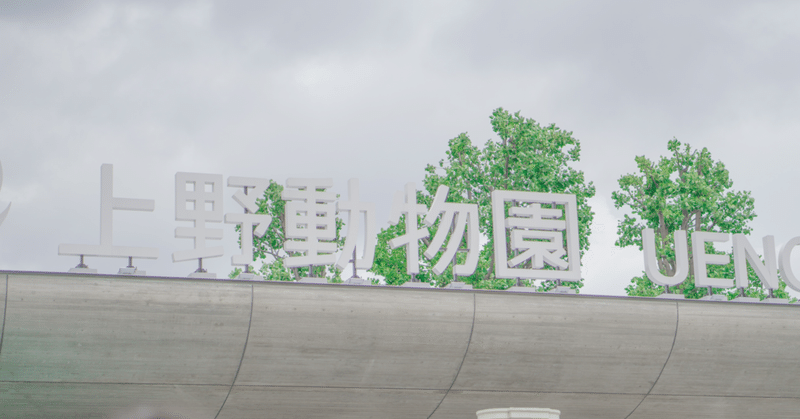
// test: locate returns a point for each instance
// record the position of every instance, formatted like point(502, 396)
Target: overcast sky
point(374, 90)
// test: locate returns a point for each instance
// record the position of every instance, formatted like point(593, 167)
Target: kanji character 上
point(109, 203)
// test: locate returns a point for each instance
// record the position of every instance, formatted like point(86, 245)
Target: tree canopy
point(525, 157)
point(685, 191)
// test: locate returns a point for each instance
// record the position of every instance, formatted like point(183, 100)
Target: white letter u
point(651, 264)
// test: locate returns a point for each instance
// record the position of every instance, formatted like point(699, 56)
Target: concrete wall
point(121, 347)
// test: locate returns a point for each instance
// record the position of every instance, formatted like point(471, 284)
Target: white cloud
point(375, 90)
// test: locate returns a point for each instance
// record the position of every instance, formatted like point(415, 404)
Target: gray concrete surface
point(144, 347)
point(3, 287)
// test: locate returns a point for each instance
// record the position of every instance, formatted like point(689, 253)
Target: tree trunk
point(491, 268)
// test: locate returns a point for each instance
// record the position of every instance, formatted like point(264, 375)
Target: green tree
point(685, 191)
point(525, 157)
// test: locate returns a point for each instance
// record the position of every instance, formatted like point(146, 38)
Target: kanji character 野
point(198, 198)
point(253, 189)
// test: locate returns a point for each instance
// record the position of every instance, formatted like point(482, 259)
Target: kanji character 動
point(356, 209)
point(310, 222)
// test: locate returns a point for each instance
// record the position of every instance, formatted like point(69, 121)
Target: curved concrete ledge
point(728, 349)
point(305, 402)
point(107, 400)
point(112, 330)
point(3, 289)
point(336, 336)
point(118, 346)
point(670, 407)
point(554, 344)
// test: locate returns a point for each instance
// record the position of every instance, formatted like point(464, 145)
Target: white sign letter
point(701, 259)
point(743, 252)
point(355, 208)
point(538, 233)
point(108, 203)
point(462, 214)
point(248, 200)
point(785, 262)
point(407, 205)
point(198, 198)
point(651, 263)
point(311, 217)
